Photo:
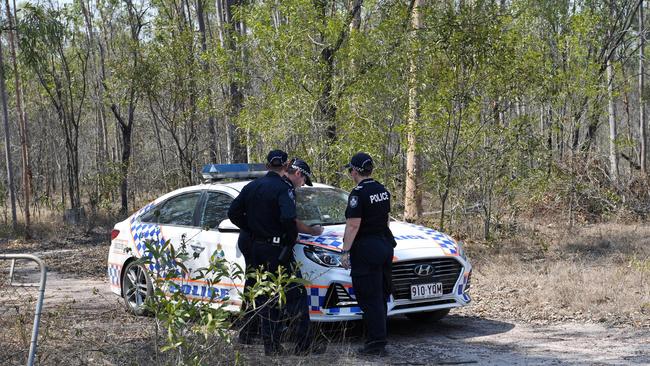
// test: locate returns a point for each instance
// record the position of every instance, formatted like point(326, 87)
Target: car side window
point(215, 210)
point(151, 215)
point(179, 210)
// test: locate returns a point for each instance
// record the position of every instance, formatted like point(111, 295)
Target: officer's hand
point(345, 261)
point(317, 230)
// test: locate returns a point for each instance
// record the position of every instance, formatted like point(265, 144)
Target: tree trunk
point(124, 167)
point(613, 154)
point(642, 127)
point(235, 96)
point(22, 118)
point(8, 159)
point(412, 195)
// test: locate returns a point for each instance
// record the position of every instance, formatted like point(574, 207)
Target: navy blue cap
point(361, 162)
point(277, 157)
point(304, 168)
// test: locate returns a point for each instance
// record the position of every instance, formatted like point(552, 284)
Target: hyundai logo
point(423, 270)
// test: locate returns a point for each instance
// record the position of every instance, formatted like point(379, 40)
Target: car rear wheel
point(428, 316)
point(136, 288)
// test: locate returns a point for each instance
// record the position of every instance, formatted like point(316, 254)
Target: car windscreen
point(321, 206)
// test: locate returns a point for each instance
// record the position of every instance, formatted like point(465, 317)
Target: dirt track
point(458, 339)
point(519, 314)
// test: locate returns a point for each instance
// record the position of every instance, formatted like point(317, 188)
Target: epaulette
point(358, 188)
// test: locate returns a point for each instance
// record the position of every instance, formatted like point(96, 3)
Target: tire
point(428, 316)
point(136, 288)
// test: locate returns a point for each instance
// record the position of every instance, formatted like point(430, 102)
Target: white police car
point(431, 273)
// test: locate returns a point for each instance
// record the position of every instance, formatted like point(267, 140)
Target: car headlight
point(323, 257)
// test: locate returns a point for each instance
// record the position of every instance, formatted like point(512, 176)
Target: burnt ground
point(514, 320)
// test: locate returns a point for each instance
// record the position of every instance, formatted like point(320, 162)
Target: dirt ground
point(577, 298)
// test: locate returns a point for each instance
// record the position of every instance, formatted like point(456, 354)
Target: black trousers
point(272, 314)
point(371, 258)
point(251, 322)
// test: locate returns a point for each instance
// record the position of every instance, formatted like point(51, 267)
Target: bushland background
point(518, 127)
point(492, 109)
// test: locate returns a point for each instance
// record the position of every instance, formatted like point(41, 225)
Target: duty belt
point(274, 240)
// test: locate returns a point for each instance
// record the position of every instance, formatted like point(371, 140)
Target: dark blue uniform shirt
point(266, 208)
point(369, 201)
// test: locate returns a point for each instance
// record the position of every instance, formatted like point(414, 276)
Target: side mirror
point(226, 226)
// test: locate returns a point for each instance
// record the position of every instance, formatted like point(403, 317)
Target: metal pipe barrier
point(16, 304)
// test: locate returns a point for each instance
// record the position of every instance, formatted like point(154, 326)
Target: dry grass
point(545, 274)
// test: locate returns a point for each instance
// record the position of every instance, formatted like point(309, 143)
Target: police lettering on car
point(266, 209)
point(368, 249)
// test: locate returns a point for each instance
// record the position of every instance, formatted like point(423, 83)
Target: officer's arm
point(237, 211)
point(311, 230)
point(351, 230)
point(353, 213)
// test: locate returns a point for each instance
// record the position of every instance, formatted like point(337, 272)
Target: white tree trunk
point(613, 154)
point(412, 195)
point(10, 173)
point(642, 127)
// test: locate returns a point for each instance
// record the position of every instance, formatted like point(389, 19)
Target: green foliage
point(195, 329)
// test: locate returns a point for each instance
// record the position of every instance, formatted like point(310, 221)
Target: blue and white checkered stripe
point(447, 244)
point(328, 241)
point(316, 298)
point(317, 302)
point(114, 274)
point(461, 288)
point(144, 232)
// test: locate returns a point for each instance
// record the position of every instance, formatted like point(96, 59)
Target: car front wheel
point(136, 288)
point(428, 316)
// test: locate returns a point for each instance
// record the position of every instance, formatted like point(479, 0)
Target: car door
point(214, 242)
point(178, 221)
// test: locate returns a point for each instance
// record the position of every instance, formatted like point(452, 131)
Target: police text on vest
point(378, 197)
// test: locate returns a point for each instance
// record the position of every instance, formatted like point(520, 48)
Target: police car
point(431, 273)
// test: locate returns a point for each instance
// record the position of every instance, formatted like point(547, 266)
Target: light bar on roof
point(215, 172)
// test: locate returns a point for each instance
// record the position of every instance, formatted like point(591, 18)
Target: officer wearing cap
point(297, 173)
point(368, 249)
point(297, 310)
point(266, 209)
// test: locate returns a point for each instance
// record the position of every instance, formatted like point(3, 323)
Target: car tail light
point(114, 234)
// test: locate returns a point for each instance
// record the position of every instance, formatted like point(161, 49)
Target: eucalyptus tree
point(22, 119)
point(7, 141)
point(127, 73)
point(413, 194)
point(54, 49)
point(172, 87)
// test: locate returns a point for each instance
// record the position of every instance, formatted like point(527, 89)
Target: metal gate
point(22, 287)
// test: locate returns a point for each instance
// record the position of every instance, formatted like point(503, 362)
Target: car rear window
point(215, 209)
point(179, 210)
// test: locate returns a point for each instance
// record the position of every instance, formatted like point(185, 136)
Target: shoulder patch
point(292, 195)
point(354, 201)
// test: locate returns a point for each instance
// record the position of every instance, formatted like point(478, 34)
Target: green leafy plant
point(189, 328)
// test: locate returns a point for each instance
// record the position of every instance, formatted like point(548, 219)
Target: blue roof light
point(214, 172)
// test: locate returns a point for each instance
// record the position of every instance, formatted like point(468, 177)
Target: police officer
point(297, 309)
point(297, 174)
point(368, 250)
point(266, 209)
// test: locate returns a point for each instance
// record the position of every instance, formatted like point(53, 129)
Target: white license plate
point(426, 290)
